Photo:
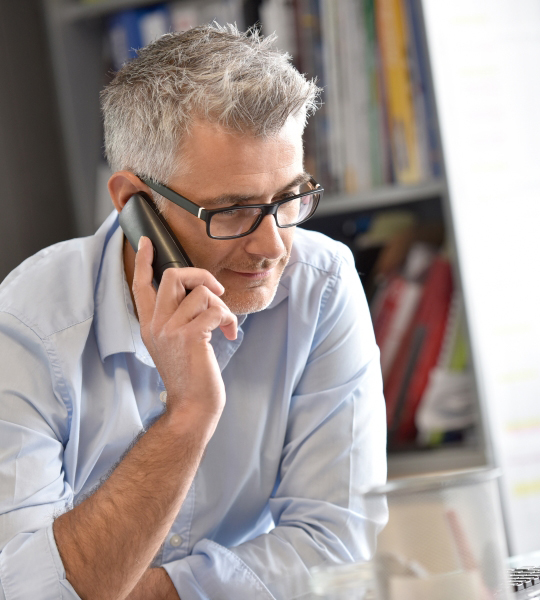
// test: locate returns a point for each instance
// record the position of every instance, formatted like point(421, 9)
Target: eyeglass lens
point(240, 220)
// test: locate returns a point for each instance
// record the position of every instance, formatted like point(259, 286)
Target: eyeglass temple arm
point(166, 192)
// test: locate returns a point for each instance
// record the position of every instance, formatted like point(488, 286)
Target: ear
point(122, 185)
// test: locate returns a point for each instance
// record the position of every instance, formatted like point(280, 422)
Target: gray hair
point(218, 74)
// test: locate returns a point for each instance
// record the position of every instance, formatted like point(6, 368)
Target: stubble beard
point(253, 299)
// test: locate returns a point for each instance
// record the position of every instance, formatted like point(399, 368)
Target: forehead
point(219, 161)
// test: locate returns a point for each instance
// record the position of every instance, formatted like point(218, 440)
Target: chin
point(249, 301)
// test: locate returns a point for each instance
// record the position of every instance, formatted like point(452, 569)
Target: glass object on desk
point(444, 539)
point(354, 581)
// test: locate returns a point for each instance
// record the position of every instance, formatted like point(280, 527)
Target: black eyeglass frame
point(207, 214)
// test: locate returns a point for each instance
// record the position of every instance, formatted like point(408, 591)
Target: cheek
point(203, 251)
point(287, 236)
point(206, 253)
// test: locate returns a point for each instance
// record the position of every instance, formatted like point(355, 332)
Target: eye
point(285, 195)
point(229, 213)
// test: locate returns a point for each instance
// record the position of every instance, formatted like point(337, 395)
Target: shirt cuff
point(31, 567)
point(213, 572)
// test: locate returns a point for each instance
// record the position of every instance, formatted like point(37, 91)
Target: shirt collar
point(282, 292)
point(117, 329)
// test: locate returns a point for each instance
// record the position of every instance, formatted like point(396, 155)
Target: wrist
point(189, 421)
point(155, 583)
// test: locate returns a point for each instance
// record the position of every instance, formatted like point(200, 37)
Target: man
point(268, 368)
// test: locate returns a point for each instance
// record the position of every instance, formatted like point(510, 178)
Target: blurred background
point(427, 146)
point(35, 203)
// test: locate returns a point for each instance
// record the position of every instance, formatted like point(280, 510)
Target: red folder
point(418, 353)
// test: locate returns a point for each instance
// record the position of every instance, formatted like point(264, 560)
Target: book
point(310, 61)
point(382, 248)
point(378, 138)
point(418, 353)
point(414, 49)
point(373, 127)
point(278, 16)
point(312, 22)
point(424, 84)
point(129, 30)
point(448, 405)
point(355, 101)
point(333, 92)
point(395, 314)
point(153, 22)
point(124, 37)
point(393, 42)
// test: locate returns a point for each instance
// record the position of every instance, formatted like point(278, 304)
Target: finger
point(173, 286)
point(143, 289)
point(230, 330)
point(191, 277)
point(212, 318)
point(200, 300)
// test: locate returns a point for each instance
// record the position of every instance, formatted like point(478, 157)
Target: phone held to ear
point(140, 217)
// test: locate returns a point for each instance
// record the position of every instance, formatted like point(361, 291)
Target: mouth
point(254, 275)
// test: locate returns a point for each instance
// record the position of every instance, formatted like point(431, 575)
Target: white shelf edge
point(378, 197)
point(423, 462)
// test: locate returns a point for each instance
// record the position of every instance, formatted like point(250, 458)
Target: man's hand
point(108, 541)
point(177, 328)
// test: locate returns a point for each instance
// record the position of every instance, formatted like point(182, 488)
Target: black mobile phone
point(139, 217)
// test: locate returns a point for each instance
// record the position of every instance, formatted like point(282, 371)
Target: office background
point(468, 206)
point(35, 205)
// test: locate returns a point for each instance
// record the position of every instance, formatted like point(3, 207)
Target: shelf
point(422, 462)
point(77, 11)
point(379, 197)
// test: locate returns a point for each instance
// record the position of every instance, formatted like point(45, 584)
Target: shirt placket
point(176, 544)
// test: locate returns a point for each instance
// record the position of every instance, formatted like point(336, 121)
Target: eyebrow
point(229, 199)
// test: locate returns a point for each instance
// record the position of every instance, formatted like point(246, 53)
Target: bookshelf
point(74, 11)
point(76, 32)
point(383, 196)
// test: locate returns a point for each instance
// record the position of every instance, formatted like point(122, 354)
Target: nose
point(266, 240)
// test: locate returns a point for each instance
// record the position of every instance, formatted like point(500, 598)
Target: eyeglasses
point(237, 221)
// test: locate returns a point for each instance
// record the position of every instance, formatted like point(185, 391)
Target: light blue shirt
point(277, 491)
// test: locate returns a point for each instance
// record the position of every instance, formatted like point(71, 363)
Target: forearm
point(155, 584)
point(109, 540)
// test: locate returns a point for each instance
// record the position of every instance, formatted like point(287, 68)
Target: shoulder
point(318, 254)
point(319, 268)
point(54, 289)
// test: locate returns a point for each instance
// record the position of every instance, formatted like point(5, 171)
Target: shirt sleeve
point(335, 446)
point(32, 485)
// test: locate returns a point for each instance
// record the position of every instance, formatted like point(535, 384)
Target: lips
point(255, 274)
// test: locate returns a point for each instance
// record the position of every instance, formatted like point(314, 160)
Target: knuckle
point(201, 292)
point(169, 275)
point(137, 293)
point(154, 330)
point(147, 337)
point(217, 311)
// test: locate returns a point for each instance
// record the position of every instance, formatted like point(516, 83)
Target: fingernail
point(140, 242)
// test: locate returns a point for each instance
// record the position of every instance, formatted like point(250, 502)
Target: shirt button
point(175, 540)
point(163, 397)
